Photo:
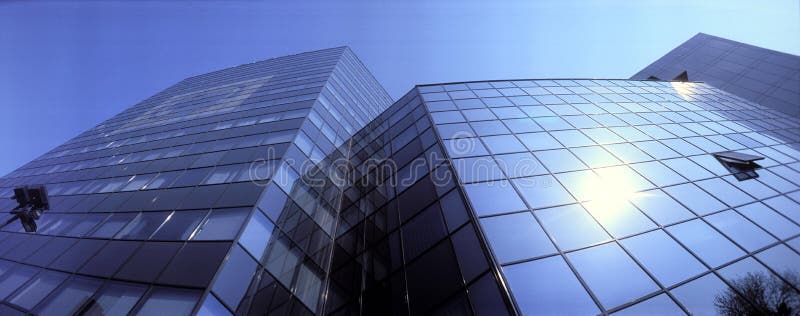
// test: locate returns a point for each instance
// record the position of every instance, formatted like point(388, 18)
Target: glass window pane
point(775, 182)
point(705, 242)
point(308, 286)
point(624, 180)
point(698, 296)
point(537, 110)
point(687, 168)
point(742, 231)
point(572, 138)
point(657, 150)
point(516, 237)
point(448, 131)
point(148, 261)
point(548, 287)
point(495, 197)
point(115, 299)
point(663, 257)
point(137, 182)
point(486, 298)
point(179, 225)
point(486, 128)
point(539, 141)
point(603, 136)
point(781, 259)
point(630, 134)
point(519, 165)
point(465, 147)
point(659, 305)
point(628, 153)
point(571, 227)
point(683, 147)
point(595, 156)
point(542, 191)
point(581, 121)
point(37, 289)
point(619, 217)
point(212, 307)
point(658, 174)
point(257, 234)
point(785, 206)
point(70, 297)
point(695, 199)
point(142, 226)
point(477, 169)
point(770, 220)
point(478, 114)
point(522, 125)
point(503, 144)
point(191, 177)
point(613, 277)
point(710, 163)
point(221, 224)
point(112, 225)
point(169, 301)
point(222, 174)
point(552, 123)
point(753, 188)
point(741, 268)
point(559, 160)
point(469, 252)
point(660, 207)
point(163, 180)
point(234, 278)
point(725, 192)
point(14, 278)
point(584, 185)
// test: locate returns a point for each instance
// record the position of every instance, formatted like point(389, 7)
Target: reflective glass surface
point(292, 186)
point(629, 162)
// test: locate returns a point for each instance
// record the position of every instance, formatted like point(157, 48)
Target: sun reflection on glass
point(684, 89)
point(609, 194)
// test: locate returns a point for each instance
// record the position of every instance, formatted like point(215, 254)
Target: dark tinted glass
point(179, 225)
point(234, 278)
point(169, 301)
point(68, 299)
point(221, 224)
point(115, 299)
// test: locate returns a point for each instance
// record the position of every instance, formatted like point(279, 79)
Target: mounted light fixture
point(32, 201)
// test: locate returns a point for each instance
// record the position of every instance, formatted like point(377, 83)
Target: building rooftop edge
point(528, 79)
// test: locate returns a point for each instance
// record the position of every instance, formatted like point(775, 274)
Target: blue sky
point(65, 67)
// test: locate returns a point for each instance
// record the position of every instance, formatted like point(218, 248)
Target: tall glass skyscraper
point(169, 207)
point(760, 75)
point(295, 186)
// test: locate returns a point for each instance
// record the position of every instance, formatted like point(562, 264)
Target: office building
point(295, 186)
point(759, 75)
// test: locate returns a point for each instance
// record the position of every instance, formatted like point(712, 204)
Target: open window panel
point(742, 166)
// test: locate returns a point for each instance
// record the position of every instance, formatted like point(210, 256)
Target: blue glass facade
point(760, 75)
point(157, 210)
point(296, 186)
point(603, 196)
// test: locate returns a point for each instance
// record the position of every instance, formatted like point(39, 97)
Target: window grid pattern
point(576, 189)
point(404, 227)
point(138, 200)
point(284, 252)
point(571, 175)
point(757, 74)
